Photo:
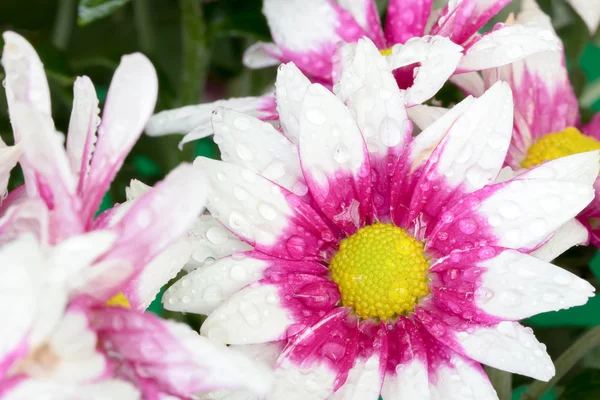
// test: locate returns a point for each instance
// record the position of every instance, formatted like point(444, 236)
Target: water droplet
point(295, 246)
point(341, 154)
point(242, 123)
point(186, 300)
point(267, 212)
point(251, 314)
point(299, 188)
point(315, 116)
point(447, 217)
point(217, 235)
point(467, 226)
point(212, 294)
point(562, 279)
point(244, 152)
point(237, 273)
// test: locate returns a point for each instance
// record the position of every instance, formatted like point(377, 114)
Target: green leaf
point(518, 392)
point(91, 10)
point(584, 386)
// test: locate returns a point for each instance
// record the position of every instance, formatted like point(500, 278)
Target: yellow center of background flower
point(380, 271)
point(386, 52)
point(557, 145)
point(119, 300)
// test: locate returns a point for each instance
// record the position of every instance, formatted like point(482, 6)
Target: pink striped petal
point(204, 289)
point(462, 19)
point(267, 216)
point(44, 159)
point(366, 14)
point(406, 19)
point(258, 146)
point(335, 160)
point(469, 157)
point(272, 309)
point(27, 217)
point(154, 222)
point(291, 86)
point(406, 372)
point(82, 129)
point(368, 89)
point(167, 357)
point(436, 58)
point(129, 104)
point(307, 32)
point(262, 55)
point(592, 128)
point(9, 156)
point(316, 363)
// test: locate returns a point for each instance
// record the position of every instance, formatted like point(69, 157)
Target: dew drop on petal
point(315, 116)
point(267, 212)
point(217, 235)
point(237, 273)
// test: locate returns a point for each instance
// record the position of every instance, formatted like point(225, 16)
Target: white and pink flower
point(382, 263)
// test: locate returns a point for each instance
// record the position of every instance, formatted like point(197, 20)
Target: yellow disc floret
point(119, 300)
point(386, 52)
point(381, 271)
point(557, 145)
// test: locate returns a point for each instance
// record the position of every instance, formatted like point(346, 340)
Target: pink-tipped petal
point(129, 103)
point(152, 224)
point(469, 157)
point(82, 129)
point(258, 146)
point(272, 309)
point(368, 88)
point(436, 57)
point(204, 289)
point(462, 19)
point(316, 363)
point(423, 115)
point(335, 160)
point(572, 233)
point(366, 14)
point(171, 358)
point(9, 156)
point(406, 19)
point(29, 216)
point(406, 369)
point(267, 216)
point(45, 161)
point(262, 55)
point(291, 86)
point(507, 44)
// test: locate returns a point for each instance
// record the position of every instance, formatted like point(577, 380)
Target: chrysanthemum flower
point(547, 122)
point(424, 48)
point(382, 263)
point(62, 266)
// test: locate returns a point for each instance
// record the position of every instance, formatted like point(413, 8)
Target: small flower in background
point(62, 265)
point(382, 263)
point(422, 54)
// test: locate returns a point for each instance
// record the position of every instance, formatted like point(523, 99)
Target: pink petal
point(406, 19)
point(592, 128)
point(204, 289)
point(462, 19)
point(82, 129)
point(272, 309)
point(154, 222)
point(335, 160)
point(366, 14)
point(267, 216)
point(368, 89)
point(168, 357)
point(27, 216)
point(129, 104)
point(317, 361)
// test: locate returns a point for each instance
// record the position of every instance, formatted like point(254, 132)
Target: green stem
point(565, 362)
point(502, 382)
point(195, 52)
point(143, 25)
point(63, 24)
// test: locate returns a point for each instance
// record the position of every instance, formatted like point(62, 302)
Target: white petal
point(471, 83)
point(363, 382)
point(579, 168)
point(9, 156)
point(589, 11)
point(40, 389)
point(295, 382)
point(572, 233)
point(423, 115)
point(258, 146)
point(261, 55)
point(408, 382)
point(460, 380)
point(79, 252)
point(291, 86)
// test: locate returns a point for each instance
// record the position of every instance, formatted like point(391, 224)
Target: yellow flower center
point(557, 145)
point(119, 300)
point(381, 271)
point(386, 52)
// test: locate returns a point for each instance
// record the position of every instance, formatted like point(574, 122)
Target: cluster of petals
point(425, 47)
point(61, 265)
point(346, 159)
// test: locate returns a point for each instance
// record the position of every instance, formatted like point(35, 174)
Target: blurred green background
point(196, 47)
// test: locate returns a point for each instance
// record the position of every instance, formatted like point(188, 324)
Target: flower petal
point(507, 346)
point(592, 128)
point(265, 215)
point(488, 285)
point(571, 233)
point(29, 216)
point(82, 129)
point(471, 83)
point(9, 156)
point(129, 103)
point(317, 361)
point(204, 289)
point(368, 88)
point(40, 389)
point(469, 157)
point(589, 11)
point(423, 115)
point(258, 146)
point(272, 309)
point(462, 19)
point(406, 374)
point(335, 160)
point(291, 86)
point(366, 14)
point(437, 57)
point(262, 55)
point(169, 357)
point(406, 19)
